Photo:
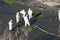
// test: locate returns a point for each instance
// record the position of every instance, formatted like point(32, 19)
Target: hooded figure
point(59, 15)
point(17, 17)
point(30, 13)
point(23, 12)
point(10, 25)
point(26, 20)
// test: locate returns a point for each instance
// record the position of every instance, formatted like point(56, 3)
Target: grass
point(8, 1)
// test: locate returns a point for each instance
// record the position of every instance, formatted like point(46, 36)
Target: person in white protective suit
point(17, 17)
point(30, 13)
point(59, 15)
point(10, 25)
point(26, 20)
point(23, 12)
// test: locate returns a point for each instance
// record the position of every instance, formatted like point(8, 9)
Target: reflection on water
point(59, 29)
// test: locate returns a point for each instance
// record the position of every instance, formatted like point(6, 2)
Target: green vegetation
point(41, 17)
point(9, 1)
point(36, 10)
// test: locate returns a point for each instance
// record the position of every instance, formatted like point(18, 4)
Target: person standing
point(30, 13)
point(10, 25)
point(59, 15)
point(26, 20)
point(17, 17)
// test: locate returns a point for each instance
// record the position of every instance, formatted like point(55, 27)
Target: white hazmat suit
point(30, 13)
point(10, 25)
point(17, 17)
point(26, 20)
point(23, 12)
point(59, 15)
